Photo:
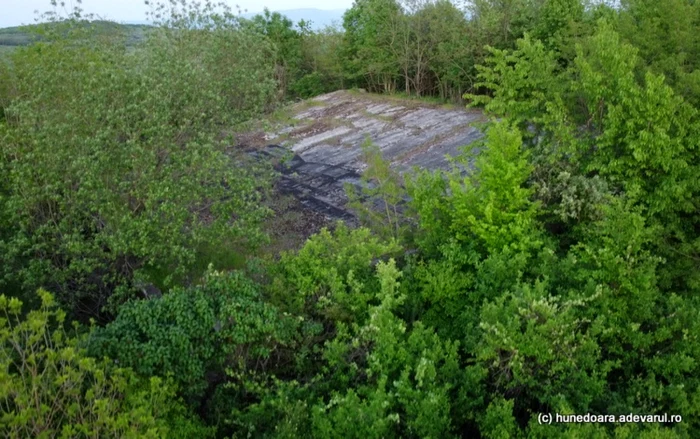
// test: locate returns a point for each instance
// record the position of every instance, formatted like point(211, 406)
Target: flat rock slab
point(317, 186)
point(322, 142)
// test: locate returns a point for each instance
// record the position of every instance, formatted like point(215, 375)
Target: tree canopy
point(553, 270)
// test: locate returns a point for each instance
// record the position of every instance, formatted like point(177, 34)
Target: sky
point(18, 12)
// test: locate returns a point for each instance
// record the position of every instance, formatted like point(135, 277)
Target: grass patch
point(408, 100)
point(310, 103)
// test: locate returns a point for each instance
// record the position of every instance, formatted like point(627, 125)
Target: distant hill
point(15, 36)
point(319, 18)
point(11, 37)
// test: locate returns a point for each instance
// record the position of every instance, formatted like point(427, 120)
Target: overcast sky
point(16, 12)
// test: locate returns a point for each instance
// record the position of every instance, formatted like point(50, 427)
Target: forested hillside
point(555, 270)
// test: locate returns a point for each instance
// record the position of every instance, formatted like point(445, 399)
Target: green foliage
point(483, 232)
point(501, 23)
point(279, 30)
point(115, 166)
point(554, 270)
point(665, 32)
point(491, 206)
point(429, 203)
point(322, 51)
point(378, 202)
point(647, 134)
point(413, 46)
point(521, 81)
point(309, 85)
point(190, 333)
point(332, 274)
point(51, 388)
point(558, 24)
point(447, 57)
point(490, 209)
point(410, 376)
point(306, 63)
point(614, 155)
point(369, 26)
point(7, 87)
point(538, 346)
point(603, 121)
point(650, 345)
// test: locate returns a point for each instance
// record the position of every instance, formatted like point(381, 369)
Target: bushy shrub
point(196, 334)
point(49, 386)
point(114, 162)
point(309, 85)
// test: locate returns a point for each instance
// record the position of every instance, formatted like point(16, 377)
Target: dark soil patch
point(291, 224)
point(251, 140)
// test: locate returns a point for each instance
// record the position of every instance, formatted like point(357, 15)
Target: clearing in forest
point(321, 140)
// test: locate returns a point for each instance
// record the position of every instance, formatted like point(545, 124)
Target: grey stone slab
point(328, 154)
point(336, 172)
point(300, 145)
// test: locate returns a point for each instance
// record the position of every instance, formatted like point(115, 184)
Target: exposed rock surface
point(319, 145)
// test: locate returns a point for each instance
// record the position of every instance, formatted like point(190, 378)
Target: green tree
point(378, 201)
point(50, 387)
point(559, 24)
point(410, 375)
point(603, 120)
point(603, 135)
point(665, 32)
point(331, 276)
point(114, 159)
point(369, 28)
point(322, 50)
point(451, 58)
point(501, 23)
point(483, 233)
point(288, 42)
point(193, 334)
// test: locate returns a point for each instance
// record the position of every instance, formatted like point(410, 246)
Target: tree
point(194, 334)
point(665, 32)
point(378, 202)
point(50, 387)
point(409, 374)
point(369, 26)
point(484, 233)
point(116, 169)
point(323, 52)
point(604, 120)
point(501, 23)
point(624, 143)
point(288, 42)
point(452, 59)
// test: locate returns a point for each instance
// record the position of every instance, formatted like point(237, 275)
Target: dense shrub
point(115, 165)
point(554, 272)
point(49, 387)
point(196, 334)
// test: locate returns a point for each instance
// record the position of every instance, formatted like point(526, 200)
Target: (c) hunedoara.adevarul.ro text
point(556, 418)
